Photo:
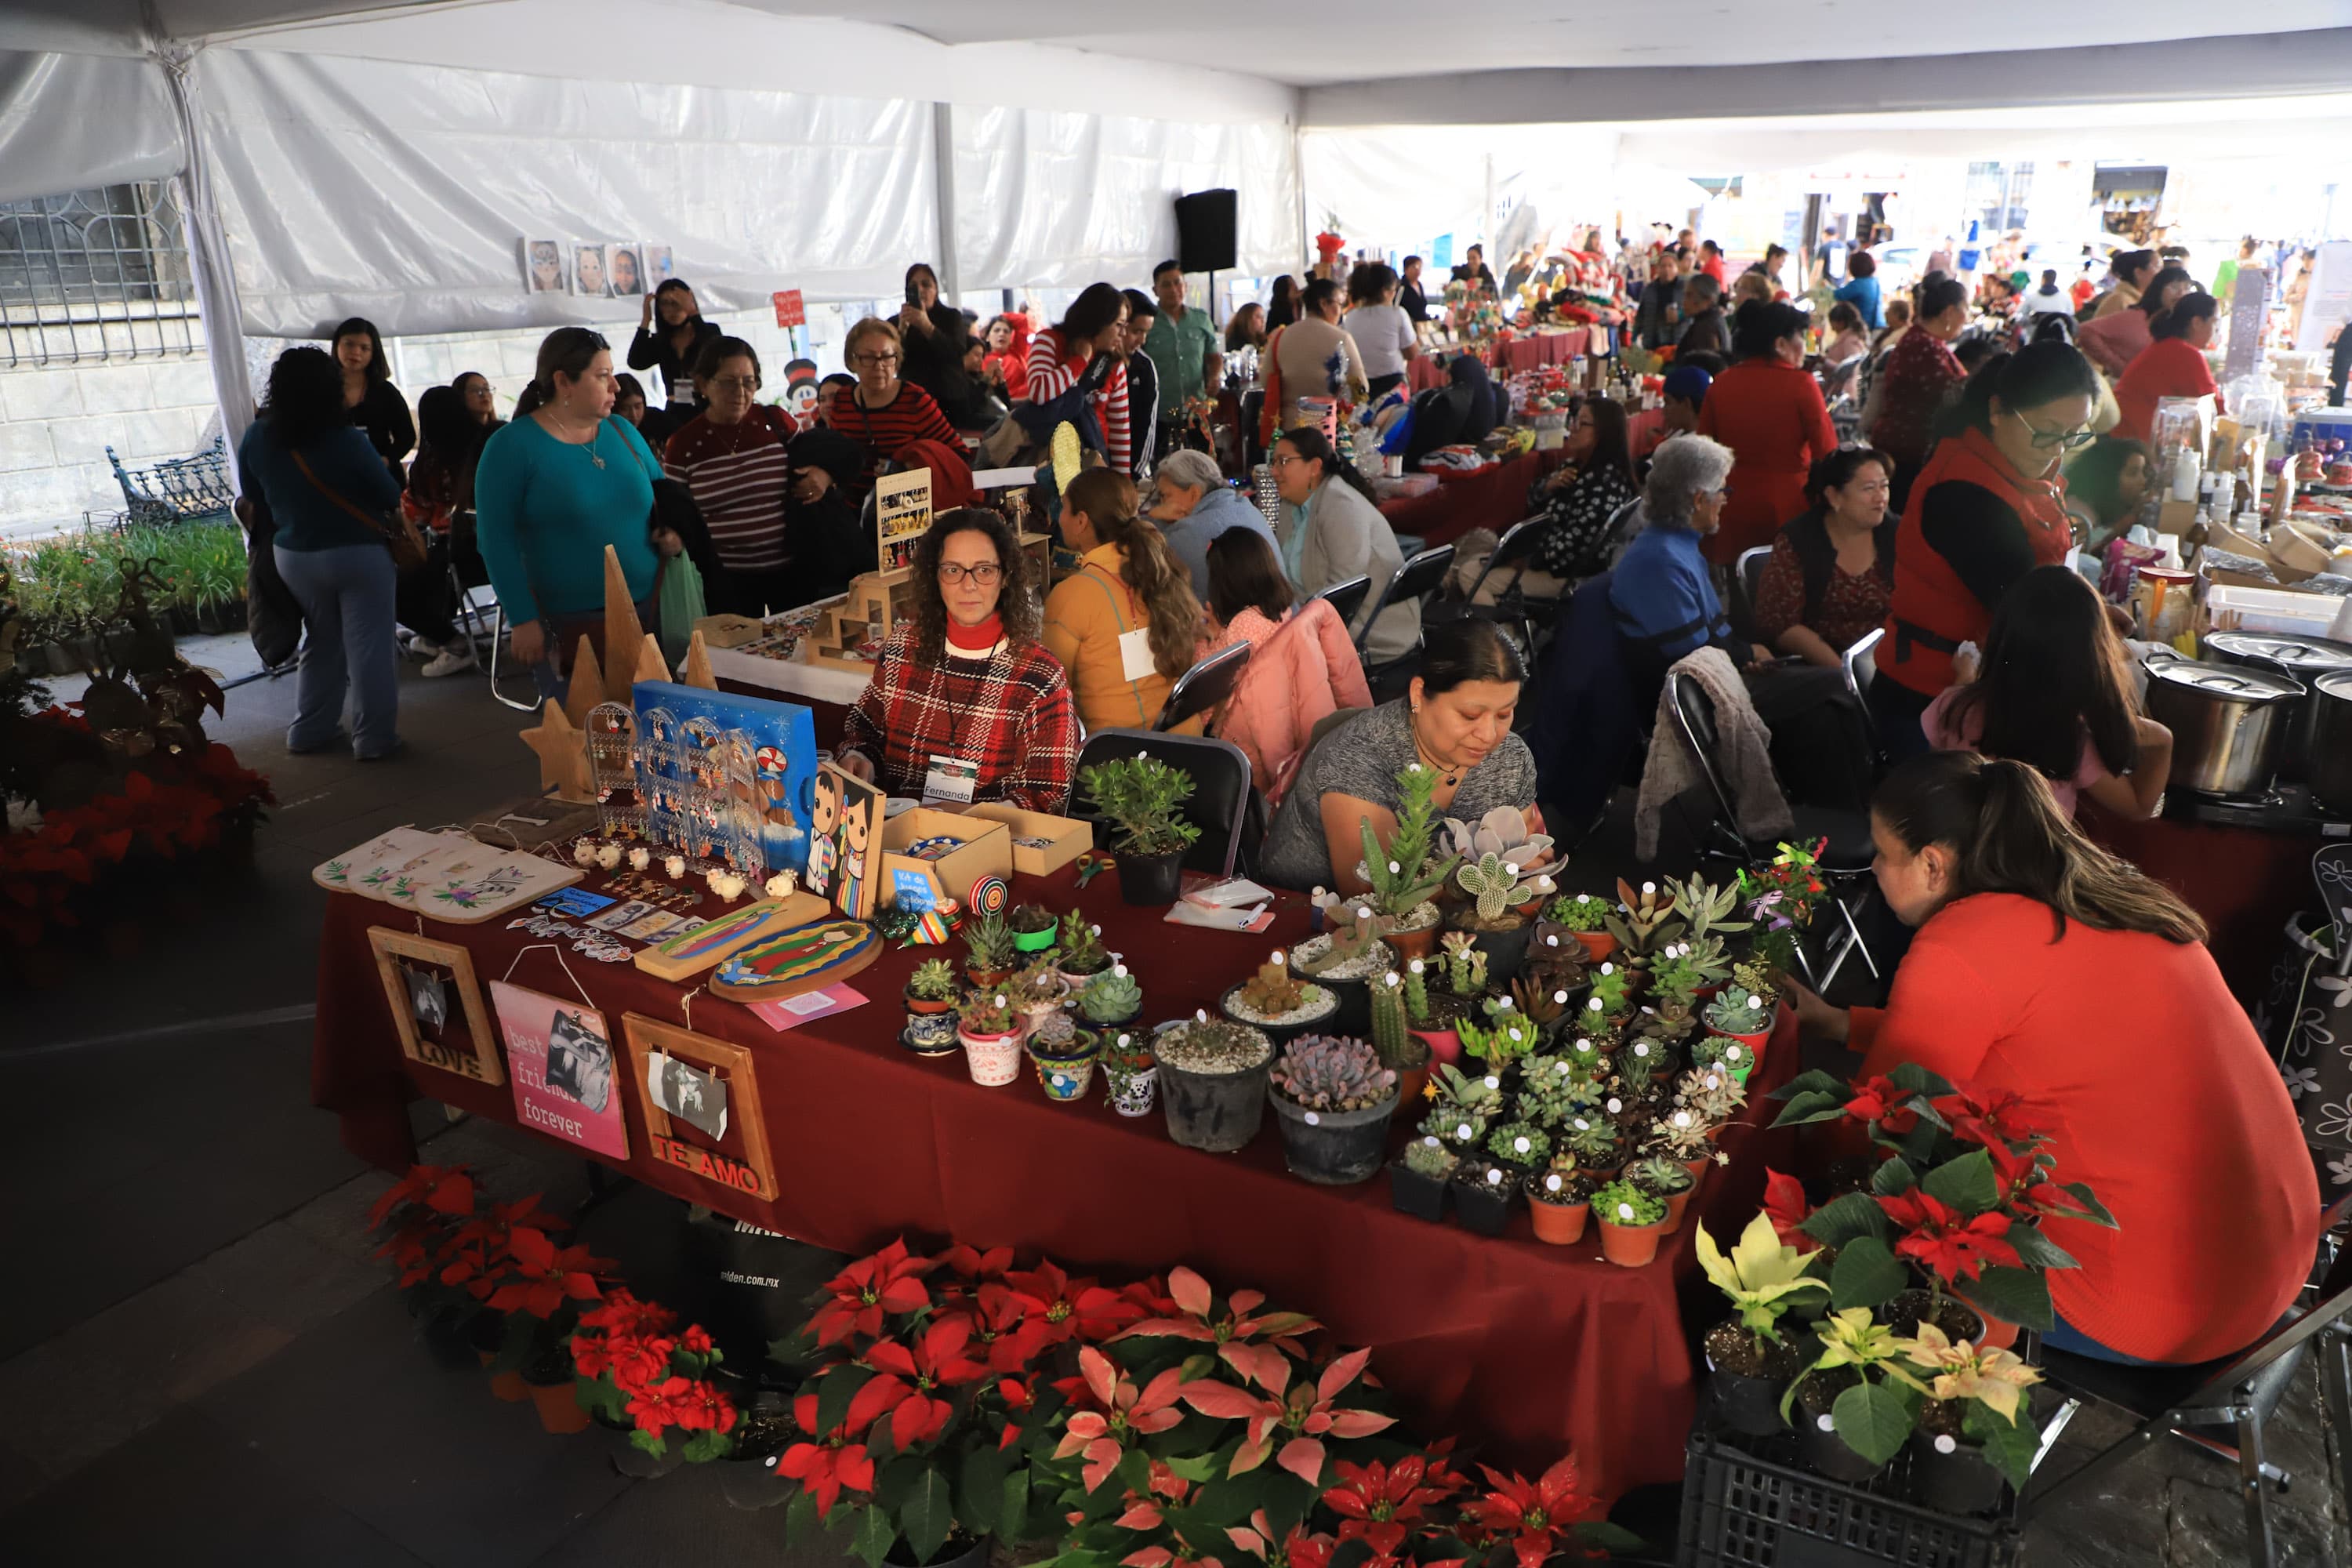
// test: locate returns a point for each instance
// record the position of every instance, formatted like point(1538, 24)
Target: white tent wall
point(1398, 187)
point(70, 123)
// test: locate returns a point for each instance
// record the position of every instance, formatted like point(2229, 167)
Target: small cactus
point(933, 981)
point(1321, 1072)
point(1392, 1036)
point(1495, 883)
point(1465, 964)
point(1429, 1157)
point(1273, 992)
point(1111, 996)
point(1461, 1130)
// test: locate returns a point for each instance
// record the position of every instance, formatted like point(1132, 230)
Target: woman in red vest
point(1987, 509)
point(1768, 409)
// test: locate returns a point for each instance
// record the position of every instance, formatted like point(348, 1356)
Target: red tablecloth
point(1427, 370)
point(1524, 1348)
point(1643, 428)
point(2245, 883)
point(1493, 497)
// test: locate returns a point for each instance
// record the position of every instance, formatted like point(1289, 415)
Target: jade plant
point(1757, 974)
point(1405, 873)
point(1429, 1157)
point(1111, 998)
point(1519, 1144)
point(1762, 1277)
point(1738, 1011)
point(933, 981)
point(1327, 1073)
point(1622, 1202)
point(1143, 797)
point(1081, 947)
point(1579, 912)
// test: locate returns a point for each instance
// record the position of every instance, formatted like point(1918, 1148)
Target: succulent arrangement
point(986, 1014)
point(987, 945)
point(1111, 998)
point(1705, 907)
point(933, 981)
point(1210, 1046)
point(1659, 1176)
point(1144, 798)
point(1519, 1144)
point(1405, 873)
point(1578, 912)
point(1323, 1072)
point(1080, 942)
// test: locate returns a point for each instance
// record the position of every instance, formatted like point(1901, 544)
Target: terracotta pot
point(1445, 1044)
point(994, 1060)
point(1598, 945)
point(1675, 1204)
point(985, 979)
point(1413, 944)
point(1411, 1081)
point(1698, 1169)
point(558, 1406)
point(1561, 1224)
point(508, 1385)
point(1630, 1246)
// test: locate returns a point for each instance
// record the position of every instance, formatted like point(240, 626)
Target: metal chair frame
point(1209, 682)
point(1347, 597)
point(1425, 571)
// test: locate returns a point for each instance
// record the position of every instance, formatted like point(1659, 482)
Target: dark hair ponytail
point(1309, 442)
point(567, 351)
point(2008, 835)
point(1107, 498)
point(2037, 373)
point(2175, 322)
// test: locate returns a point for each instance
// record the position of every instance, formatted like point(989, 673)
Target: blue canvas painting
point(706, 795)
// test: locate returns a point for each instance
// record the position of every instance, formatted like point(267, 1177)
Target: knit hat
point(1687, 381)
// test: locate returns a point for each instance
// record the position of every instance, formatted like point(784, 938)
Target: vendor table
point(1527, 1349)
point(1492, 498)
point(1428, 369)
point(1643, 428)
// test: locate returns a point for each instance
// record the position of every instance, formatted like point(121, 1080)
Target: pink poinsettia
point(1305, 1415)
point(1247, 1343)
point(1114, 1412)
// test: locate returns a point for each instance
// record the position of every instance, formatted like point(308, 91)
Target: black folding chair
point(1845, 857)
point(1347, 597)
point(1860, 663)
point(1513, 551)
point(1203, 686)
point(1221, 796)
point(2237, 1391)
point(1750, 567)
point(1417, 579)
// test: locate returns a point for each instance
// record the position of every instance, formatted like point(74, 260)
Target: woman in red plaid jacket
point(967, 690)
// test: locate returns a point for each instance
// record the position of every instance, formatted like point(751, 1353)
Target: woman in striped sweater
point(731, 457)
point(881, 413)
point(1083, 353)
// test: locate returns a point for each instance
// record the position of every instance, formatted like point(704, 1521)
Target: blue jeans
point(346, 594)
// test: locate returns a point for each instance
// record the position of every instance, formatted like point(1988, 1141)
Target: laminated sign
point(902, 510)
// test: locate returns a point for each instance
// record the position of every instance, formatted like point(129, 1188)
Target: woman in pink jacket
point(1302, 668)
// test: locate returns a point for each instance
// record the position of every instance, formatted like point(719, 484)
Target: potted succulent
point(1559, 1201)
point(1344, 961)
point(1705, 908)
point(1033, 927)
point(1143, 797)
point(1464, 1107)
point(1522, 1145)
point(1610, 1002)
point(1630, 1221)
point(1742, 1015)
point(1555, 960)
point(1037, 990)
point(1406, 875)
point(1111, 998)
point(1976, 1431)
point(1685, 1136)
point(930, 1009)
point(1130, 1069)
point(1213, 1078)
point(1277, 1003)
point(1666, 1179)
point(1333, 1100)
point(1855, 1417)
point(988, 949)
point(990, 1032)
point(1583, 917)
point(1644, 1058)
point(1596, 1143)
point(1403, 1052)
point(1483, 1192)
point(1643, 924)
point(1757, 974)
point(1552, 1088)
point(1083, 955)
point(1497, 874)
point(1418, 1178)
point(1503, 1039)
point(1749, 1359)
point(1442, 990)
point(1064, 1055)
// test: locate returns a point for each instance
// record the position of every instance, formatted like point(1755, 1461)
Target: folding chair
point(1221, 796)
point(2239, 1392)
point(1860, 663)
point(1845, 857)
point(1751, 570)
point(1347, 597)
point(1202, 686)
point(1416, 580)
point(1515, 550)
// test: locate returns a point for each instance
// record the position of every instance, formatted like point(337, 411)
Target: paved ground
point(200, 1362)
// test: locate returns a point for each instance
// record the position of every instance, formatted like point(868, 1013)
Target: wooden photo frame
point(753, 1175)
point(430, 1034)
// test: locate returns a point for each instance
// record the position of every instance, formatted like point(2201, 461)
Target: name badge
point(951, 778)
point(1135, 655)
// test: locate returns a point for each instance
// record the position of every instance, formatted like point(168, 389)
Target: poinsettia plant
point(635, 1368)
point(419, 1219)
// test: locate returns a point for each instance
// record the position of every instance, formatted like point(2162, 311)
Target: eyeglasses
point(986, 574)
point(2065, 440)
point(736, 382)
point(1284, 459)
point(874, 359)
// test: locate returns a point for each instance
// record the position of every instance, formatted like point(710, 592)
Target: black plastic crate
point(1751, 1504)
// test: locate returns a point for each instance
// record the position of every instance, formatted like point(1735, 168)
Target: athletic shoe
point(449, 662)
point(418, 648)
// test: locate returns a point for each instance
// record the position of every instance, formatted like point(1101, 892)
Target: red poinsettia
point(968, 1263)
point(868, 1291)
point(1534, 1518)
point(832, 1463)
point(1940, 1238)
point(1303, 1415)
point(1785, 1207)
point(658, 1407)
point(706, 1408)
point(933, 1363)
point(445, 1190)
point(1379, 1504)
point(1301, 1548)
point(1001, 1331)
point(2024, 1183)
point(1243, 1336)
point(1067, 1309)
point(1989, 1118)
point(542, 1276)
point(1881, 1101)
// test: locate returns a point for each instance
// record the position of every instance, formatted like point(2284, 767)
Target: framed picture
point(588, 274)
point(567, 1081)
point(702, 1106)
point(624, 271)
point(435, 1005)
point(542, 266)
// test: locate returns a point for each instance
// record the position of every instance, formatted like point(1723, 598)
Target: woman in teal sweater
point(553, 490)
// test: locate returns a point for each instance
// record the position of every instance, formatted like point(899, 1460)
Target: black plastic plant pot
point(1423, 1197)
point(1826, 1452)
point(631, 1461)
point(751, 1481)
point(1485, 1206)
point(1960, 1481)
point(1748, 1404)
point(1354, 1013)
point(1150, 882)
point(1504, 950)
point(1218, 1112)
point(1333, 1148)
point(961, 1552)
point(451, 1341)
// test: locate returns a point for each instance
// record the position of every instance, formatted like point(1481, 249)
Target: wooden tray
point(697, 948)
point(853, 945)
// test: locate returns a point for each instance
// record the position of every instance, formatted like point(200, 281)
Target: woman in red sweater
point(2045, 967)
point(1768, 410)
point(882, 413)
point(2172, 366)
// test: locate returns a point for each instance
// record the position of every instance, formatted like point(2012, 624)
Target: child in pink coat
point(1303, 667)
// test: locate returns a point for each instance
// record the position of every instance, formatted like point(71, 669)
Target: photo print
point(542, 266)
point(436, 1005)
point(659, 267)
point(579, 1061)
point(695, 1097)
point(588, 274)
point(428, 999)
point(623, 269)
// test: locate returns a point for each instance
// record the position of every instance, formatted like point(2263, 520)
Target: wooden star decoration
point(698, 665)
point(563, 754)
point(651, 666)
point(622, 632)
point(587, 688)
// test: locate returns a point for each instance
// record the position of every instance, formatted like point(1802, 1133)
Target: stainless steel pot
point(2329, 763)
point(2304, 658)
point(2228, 723)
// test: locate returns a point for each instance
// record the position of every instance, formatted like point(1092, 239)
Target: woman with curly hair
point(968, 685)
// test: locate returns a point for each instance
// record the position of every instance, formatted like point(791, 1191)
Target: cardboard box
point(1067, 838)
point(986, 850)
point(730, 631)
point(2174, 517)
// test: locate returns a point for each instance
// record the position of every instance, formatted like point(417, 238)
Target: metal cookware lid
point(2336, 683)
point(2239, 683)
point(2296, 653)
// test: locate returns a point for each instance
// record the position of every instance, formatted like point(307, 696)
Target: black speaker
point(1205, 231)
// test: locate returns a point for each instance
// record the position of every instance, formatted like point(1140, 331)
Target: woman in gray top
point(1331, 530)
point(1456, 717)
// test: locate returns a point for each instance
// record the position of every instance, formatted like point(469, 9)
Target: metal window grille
point(93, 275)
point(1997, 193)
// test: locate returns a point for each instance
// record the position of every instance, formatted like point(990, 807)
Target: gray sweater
point(1348, 537)
point(1219, 509)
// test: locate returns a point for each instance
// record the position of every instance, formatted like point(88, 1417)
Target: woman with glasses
point(670, 339)
point(1331, 529)
point(1987, 509)
point(966, 704)
point(555, 487)
point(882, 413)
point(731, 458)
point(1577, 501)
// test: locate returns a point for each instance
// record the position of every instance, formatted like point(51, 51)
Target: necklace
point(1453, 775)
point(595, 434)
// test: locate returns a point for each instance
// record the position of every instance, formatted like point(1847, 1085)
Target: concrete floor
point(200, 1362)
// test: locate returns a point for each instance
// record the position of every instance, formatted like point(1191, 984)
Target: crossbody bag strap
point(376, 523)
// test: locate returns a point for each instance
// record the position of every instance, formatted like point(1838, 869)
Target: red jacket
point(2168, 367)
point(2131, 1053)
point(1771, 416)
point(1934, 610)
